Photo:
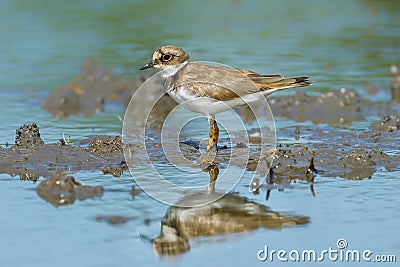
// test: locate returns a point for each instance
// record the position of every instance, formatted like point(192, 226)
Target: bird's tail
point(272, 83)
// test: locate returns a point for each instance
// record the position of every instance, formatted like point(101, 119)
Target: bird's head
point(167, 56)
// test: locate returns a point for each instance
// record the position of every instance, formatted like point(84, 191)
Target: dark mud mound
point(90, 91)
point(338, 107)
point(28, 136)
point(351, 154)
point(388, 123)
point(282, 166)
point(107, 148)
point(341, 107)
point(31, 157)
point(62, 190)
point(104, 146)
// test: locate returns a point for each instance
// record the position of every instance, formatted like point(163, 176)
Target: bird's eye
point(166, 57)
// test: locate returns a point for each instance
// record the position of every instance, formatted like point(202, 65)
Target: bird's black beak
point(148, 65)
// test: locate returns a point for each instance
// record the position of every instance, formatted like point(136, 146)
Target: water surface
point(43, 43)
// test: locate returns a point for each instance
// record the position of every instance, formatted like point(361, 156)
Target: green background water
point(43, 43)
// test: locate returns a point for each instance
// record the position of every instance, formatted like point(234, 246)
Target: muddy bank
point(331, 151)
point(314, 153)
point(336, 152)
point(30, 157)
point(339, 152)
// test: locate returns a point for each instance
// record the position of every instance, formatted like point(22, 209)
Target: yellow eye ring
point(166, 57)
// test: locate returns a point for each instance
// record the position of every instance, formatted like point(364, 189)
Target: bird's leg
point(211, 134)
point(216, 134)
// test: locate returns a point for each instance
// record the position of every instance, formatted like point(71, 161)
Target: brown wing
point(224, 83)
point(213, 90)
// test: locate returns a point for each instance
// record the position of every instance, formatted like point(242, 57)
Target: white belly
point(207, 105)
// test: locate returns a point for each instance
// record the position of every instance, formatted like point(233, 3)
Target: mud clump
point(62, 190)
point(110, 149)
point(337, 107)
point(286, 162)
point(104, 146)
point(356, 165)
point(28, 136)
point(87, 94)
point(30, 157)
point(281, 166)
point(348, 154)
point(389, 123)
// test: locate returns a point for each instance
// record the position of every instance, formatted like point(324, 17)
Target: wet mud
point(31, 158)
point(90, 91)
point(333, 151)
point(341, 107)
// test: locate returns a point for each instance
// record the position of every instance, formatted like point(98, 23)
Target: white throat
point(172, 70)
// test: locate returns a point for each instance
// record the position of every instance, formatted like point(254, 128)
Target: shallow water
point(338, 44)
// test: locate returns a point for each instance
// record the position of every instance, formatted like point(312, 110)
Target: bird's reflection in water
point(229, 214)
